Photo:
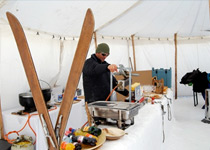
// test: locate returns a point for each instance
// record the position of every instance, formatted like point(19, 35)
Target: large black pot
point(26, 99)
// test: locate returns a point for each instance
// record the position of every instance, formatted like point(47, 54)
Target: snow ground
point(187, 131)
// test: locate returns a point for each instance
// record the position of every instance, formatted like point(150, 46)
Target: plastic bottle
point(67, 146)
point(77, 145)
point(80, 132)
point(84, 140)
point(92, 130)
point(152, 102)
point(63, 145)
point(67, 132)
point(67, 139)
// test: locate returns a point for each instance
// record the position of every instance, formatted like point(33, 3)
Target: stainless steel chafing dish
point(116, 110)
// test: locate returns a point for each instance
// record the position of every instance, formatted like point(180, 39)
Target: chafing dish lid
point(114, 105)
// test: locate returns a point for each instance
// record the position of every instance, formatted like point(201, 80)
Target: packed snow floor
point(187, 131)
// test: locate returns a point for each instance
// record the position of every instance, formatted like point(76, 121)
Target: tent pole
point(134, 56)
point(131, 63)
point(209, 7)
point(175, 42)
point(95, 39)
point(55, 78)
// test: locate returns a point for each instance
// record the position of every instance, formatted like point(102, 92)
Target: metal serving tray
point(120, 111)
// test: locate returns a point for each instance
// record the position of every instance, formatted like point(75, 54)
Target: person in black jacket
point(96, 76)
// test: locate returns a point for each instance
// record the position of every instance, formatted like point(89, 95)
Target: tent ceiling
point(148, 18)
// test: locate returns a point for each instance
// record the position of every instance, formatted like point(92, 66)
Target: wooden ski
point(75, 73)
point(33, 81)
point(72, 83)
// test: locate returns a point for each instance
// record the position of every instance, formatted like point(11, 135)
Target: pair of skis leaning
point(86, 34)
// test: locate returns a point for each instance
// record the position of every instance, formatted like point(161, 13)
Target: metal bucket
point(23, 142)
point(27, 146)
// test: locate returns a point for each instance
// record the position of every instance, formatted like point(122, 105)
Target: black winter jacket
point(96, 80)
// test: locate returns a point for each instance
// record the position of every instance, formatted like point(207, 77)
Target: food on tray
point(165, 89)
point(84, 138)
point(113, 133)
point(156, 96)
point(92, 130)
point(80, 132)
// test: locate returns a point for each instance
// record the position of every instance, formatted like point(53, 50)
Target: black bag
point(200, 83)
point(190, 77)
point(197, 78)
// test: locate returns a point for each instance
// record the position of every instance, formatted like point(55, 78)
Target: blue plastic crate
point(163, 73)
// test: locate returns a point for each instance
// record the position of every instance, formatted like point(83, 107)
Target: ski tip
point(9, 14)
point(89, 10)
point(89, 14)
point(13, 20)
point(11, 17)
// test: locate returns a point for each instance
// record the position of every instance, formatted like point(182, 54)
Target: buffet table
point(149, 131)
point(15, 122)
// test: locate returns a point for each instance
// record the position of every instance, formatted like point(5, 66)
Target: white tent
point(52, 29)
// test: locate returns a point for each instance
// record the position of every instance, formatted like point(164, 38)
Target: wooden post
point(209, 7)
point(175, 43)
point(95, 39)
point(134, 56)
point(1, 123)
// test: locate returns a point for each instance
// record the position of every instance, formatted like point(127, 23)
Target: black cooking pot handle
point(45, 82)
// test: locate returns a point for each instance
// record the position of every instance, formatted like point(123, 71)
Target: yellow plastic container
point(133, 86)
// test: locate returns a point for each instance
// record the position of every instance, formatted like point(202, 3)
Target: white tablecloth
point(14, 123)
point(147, 131)
point(145, 134)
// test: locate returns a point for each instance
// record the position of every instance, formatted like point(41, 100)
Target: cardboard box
point(144, 78)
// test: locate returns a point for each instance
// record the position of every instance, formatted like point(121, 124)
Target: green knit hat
point(102, 48)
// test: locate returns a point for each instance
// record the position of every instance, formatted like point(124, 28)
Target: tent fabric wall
point(154, 53)
point(61, 17)
point(150, 52)
point(52, 65)
point(147, 18)
point(66, 58)
point(45, 54)
point(153, 24)
point(192, 54)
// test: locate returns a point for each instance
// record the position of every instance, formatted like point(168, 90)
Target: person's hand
point(112, 68)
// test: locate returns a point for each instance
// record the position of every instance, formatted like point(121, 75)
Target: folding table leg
point(195, 97)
